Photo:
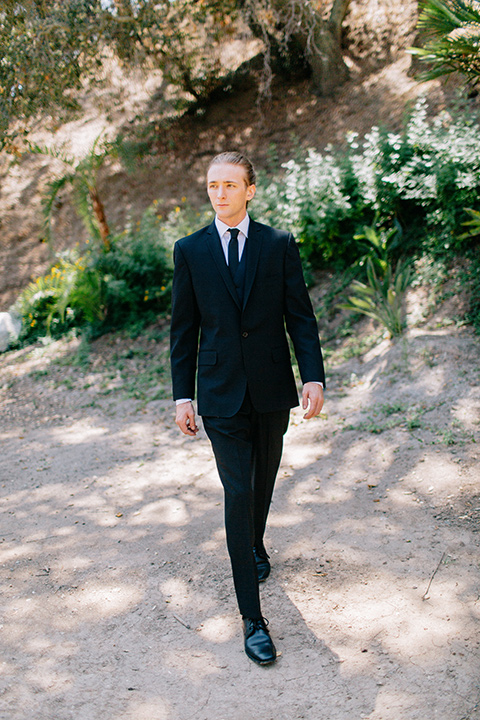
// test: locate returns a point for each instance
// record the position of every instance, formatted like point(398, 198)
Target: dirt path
point(117, 601)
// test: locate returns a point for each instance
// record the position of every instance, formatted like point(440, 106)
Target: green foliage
point(473, 224)
point(69, 295)
point(472, 275)
point(82, 176)
point(380, 246)
point(418, 181)
point(51, 48)
point(46, 46)
point(472, 280)
point(312, 199)
point(103, 289)
point(137, 272)
point(382, 296)
point(453, 31)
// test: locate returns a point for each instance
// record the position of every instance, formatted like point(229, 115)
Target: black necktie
point(233, 251)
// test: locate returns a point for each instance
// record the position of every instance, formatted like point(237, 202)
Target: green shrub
point(136, 274)
point(419, 180)
point(130, 283)
point(311, 200)
point(68, 296)
point(382, 296)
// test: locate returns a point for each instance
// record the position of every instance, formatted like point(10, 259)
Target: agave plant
point(473, 224)
point(382, 296)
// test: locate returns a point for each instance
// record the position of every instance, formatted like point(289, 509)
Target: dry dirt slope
point(377, 33)
point(117, 600)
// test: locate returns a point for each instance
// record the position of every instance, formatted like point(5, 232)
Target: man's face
point(228, 192)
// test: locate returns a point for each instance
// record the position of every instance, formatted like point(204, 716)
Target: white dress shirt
point(225, 235)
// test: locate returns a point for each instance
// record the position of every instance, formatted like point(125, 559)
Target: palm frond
point(453, 29)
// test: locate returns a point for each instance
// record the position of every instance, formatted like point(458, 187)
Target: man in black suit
point(237, 285)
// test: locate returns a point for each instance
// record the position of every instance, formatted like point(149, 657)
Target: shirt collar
point(242, 226)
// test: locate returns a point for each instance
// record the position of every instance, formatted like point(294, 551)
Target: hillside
point(171, 152)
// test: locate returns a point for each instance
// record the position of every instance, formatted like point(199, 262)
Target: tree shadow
point(117, 595)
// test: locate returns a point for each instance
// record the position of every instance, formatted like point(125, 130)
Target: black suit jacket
point(239, 344)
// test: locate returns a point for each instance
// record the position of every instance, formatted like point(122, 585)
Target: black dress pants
point(248, 449)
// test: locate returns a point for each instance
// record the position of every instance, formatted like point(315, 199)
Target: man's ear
point(251, 190)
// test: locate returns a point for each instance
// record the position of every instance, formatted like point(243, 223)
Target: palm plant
point(82, 176)
point(453, 31)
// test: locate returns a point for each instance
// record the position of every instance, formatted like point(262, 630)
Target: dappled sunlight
point(197, 666)
point(179, 590)
point(116, 567)
point(391, 704)
point(357, 618)
point(23, 362)
point(170, 537)
point(434, 474)
point(154, 709)
point(212, 545)
point(73, 563)
point(79, 432)
point(103, 601)
point(13, 553)
point(468, 412)
point(219, 629)
point(45, 677)
point(279, 519)
point(169, 511)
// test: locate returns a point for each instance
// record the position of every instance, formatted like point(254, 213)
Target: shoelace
point(259, 623)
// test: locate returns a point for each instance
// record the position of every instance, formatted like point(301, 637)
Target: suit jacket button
point(244, 333)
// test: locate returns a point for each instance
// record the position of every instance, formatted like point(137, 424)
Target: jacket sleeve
point(184, 329)
point(300, 319)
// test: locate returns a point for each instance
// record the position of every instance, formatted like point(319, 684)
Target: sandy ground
point(117, 599)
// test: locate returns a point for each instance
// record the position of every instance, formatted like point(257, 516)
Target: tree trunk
point(320, 40)
point(324, 51)
point(99, 212)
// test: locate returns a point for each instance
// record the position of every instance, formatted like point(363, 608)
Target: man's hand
point(312, 398)
point(185, 419)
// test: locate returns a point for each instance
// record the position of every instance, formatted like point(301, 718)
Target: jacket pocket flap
point(207, 357)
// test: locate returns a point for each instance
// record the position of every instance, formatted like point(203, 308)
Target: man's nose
point(221, 191)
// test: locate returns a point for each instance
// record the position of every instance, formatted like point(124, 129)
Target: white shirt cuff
point(182, 400)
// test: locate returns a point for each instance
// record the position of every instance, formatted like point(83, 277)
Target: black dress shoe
point(258, 643)
point(263, 565)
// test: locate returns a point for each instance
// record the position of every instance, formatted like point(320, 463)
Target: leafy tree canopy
point(50, 47)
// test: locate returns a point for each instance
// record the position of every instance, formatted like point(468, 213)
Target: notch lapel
point(215, 247)
point(254, 242)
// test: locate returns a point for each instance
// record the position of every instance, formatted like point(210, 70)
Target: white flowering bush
point(420, 180)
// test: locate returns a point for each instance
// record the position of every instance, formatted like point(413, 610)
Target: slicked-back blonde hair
point(236, 158)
